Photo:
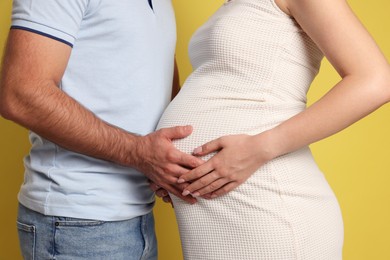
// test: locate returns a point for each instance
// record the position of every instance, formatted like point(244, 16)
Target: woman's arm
point(365, 86)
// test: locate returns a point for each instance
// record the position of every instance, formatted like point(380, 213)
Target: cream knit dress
point(253, 66)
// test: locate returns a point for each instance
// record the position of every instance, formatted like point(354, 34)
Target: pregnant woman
point(254, 61)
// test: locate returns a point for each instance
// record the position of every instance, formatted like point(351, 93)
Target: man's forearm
point(57, 117)
point(54, 115)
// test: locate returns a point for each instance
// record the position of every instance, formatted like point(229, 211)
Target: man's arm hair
point(30, 95)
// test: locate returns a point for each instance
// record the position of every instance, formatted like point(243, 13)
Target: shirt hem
point(86, 212)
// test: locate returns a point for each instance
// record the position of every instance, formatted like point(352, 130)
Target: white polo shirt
point(121, 68)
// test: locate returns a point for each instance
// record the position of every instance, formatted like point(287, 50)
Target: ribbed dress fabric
point(253, 66)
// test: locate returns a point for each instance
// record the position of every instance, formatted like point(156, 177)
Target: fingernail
point(198, 150)
point(181, 181)
point(185, 193)
point(213, 196)
point(196, 194)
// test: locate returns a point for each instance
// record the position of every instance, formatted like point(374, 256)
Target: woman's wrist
point(270, 144)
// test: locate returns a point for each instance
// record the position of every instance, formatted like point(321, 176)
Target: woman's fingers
point(206, 182)
point(209, 147)
point(237, 158)
point(196, 173)
point(224, 190)
point(211, 188)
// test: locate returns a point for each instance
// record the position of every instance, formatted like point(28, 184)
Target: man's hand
point(156, 157)
point(160, 192)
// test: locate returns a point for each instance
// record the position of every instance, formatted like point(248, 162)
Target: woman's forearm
point(351, 99)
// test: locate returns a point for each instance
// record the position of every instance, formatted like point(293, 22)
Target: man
point(90, 79)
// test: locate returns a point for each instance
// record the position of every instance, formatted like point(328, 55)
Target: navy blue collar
point(151, 3)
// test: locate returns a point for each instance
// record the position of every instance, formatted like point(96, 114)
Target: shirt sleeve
point(56, 19)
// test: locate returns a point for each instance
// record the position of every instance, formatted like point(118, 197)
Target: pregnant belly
point(211, 119)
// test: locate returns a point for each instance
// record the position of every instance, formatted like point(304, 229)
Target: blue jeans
point(60, 238)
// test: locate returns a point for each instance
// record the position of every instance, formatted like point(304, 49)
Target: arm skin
point(29, 95)
point(365, 86)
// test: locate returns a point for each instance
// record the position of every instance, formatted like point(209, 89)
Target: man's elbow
point(9, 105)
point(5, 108)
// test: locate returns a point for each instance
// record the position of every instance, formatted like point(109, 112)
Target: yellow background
point(356, 162)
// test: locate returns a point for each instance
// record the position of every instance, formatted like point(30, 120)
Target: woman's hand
point(237, 158)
